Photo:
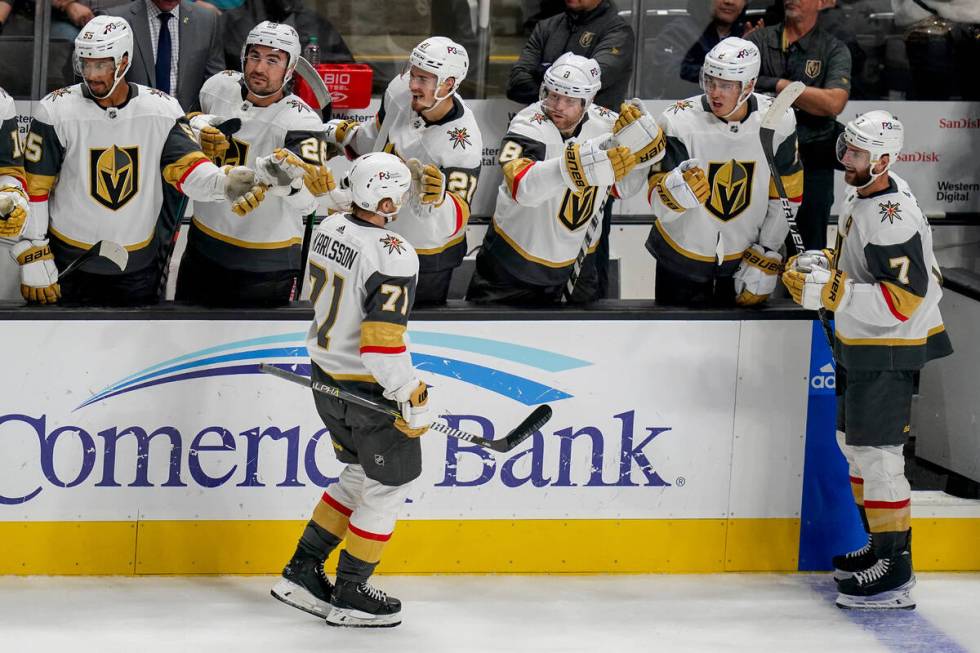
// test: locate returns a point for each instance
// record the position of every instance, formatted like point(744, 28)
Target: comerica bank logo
point(245, 356)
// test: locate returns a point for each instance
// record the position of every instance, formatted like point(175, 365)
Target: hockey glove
point(757, 275)
point(433, 186)
point(413, 402)
point(284, 173)
point(38, 273)
point(341, 132)
point(810, 259)
point(637, 130)
point(213, 143)
point(242, 190)
point(589, 164)
point(13, 211)
point(817, 289)
point(685, 187)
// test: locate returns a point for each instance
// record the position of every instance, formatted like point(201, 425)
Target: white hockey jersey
point(743, 207)
point(889, 317)
point(11, 161)
point(539, 225)
point(270, 237)
point(95, 173)
point(454, 145)
point(363, 286)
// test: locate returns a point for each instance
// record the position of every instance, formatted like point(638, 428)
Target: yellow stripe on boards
point(445, 546)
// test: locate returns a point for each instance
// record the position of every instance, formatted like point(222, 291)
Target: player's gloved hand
point(592, 164)
point(637, 130)
point(685, 187)
point(13, 211)
point(341, 132)
point(242, 189)
point(810, 259)
point(819, 288)
point(284, 173)
point(413, 402)
point(432, 186)
point(214, 144)
point(757, 275)
point(38, 273)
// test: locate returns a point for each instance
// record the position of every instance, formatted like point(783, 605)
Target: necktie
point(163, 54)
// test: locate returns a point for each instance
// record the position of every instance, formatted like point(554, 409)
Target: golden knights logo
point(114, 175)
point(236, 154)
point(731, 188)
point(890, 211)
point(576, 208)
point(459, 137)
point(679, 106)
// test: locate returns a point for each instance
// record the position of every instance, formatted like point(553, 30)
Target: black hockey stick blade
point(107, 249)
point(534, 421)
point(229, 127)
point(538, 418)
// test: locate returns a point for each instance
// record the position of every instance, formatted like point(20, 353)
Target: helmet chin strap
point(112, 89)
point(741, 100)
point(873, 176)
point(285, 80)
point(436, 101)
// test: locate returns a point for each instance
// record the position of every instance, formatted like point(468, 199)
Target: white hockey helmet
point(101, 38)
point(876, 132)
point(735, 60)
point(572, 75)
point(275, 35)
point(376, 176)
point(444, 58)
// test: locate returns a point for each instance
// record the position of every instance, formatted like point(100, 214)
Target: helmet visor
point(851, 156)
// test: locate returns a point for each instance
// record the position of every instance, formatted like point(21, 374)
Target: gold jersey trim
point(282, 244)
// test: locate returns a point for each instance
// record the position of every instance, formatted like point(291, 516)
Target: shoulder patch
point(604, 112)
point(298, 105)
point(680, 105)
point(228, 73)
point(60, 93)
point(890, 211)
point(538, 118)
point(393, 244)
point(459, 137)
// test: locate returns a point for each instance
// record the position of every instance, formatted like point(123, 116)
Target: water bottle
point(312, 51)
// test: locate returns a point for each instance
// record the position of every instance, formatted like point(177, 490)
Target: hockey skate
point(362, 606)
point(304, 585)
point(883, 586)
point(847, 564)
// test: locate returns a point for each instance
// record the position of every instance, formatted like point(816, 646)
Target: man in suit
point(191, 51)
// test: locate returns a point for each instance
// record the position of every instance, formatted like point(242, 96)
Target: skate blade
point(300, 598)
point(347, 618)
point(897, 599)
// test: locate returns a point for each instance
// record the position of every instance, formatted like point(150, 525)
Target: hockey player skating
point(13, 192)
point(562, 157)
point(719, 231)
point(422, 118)
point(118, 156)
point(883, 284)
point(364, 279)
point(256, 260)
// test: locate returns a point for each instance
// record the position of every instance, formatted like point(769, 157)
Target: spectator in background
point(589, 28)
point(799, 50)
point(677, 52)
point(178, 47)
point(592, 29)
point(236, 24)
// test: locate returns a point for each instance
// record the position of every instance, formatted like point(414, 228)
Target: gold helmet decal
point(731, 188)
point(114, 175)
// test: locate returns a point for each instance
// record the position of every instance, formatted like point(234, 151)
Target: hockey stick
point(309, 74)
point(783, 102)
point(110, 251)
point(538, 417)
point(583, 252)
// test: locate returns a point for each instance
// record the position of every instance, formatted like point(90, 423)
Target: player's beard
point(857, 179)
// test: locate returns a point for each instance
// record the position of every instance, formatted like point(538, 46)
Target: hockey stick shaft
point(515, 437)
point(590, 234)
point(782, 103)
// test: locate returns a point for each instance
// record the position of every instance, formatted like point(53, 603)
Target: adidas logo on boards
point(825, 380)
